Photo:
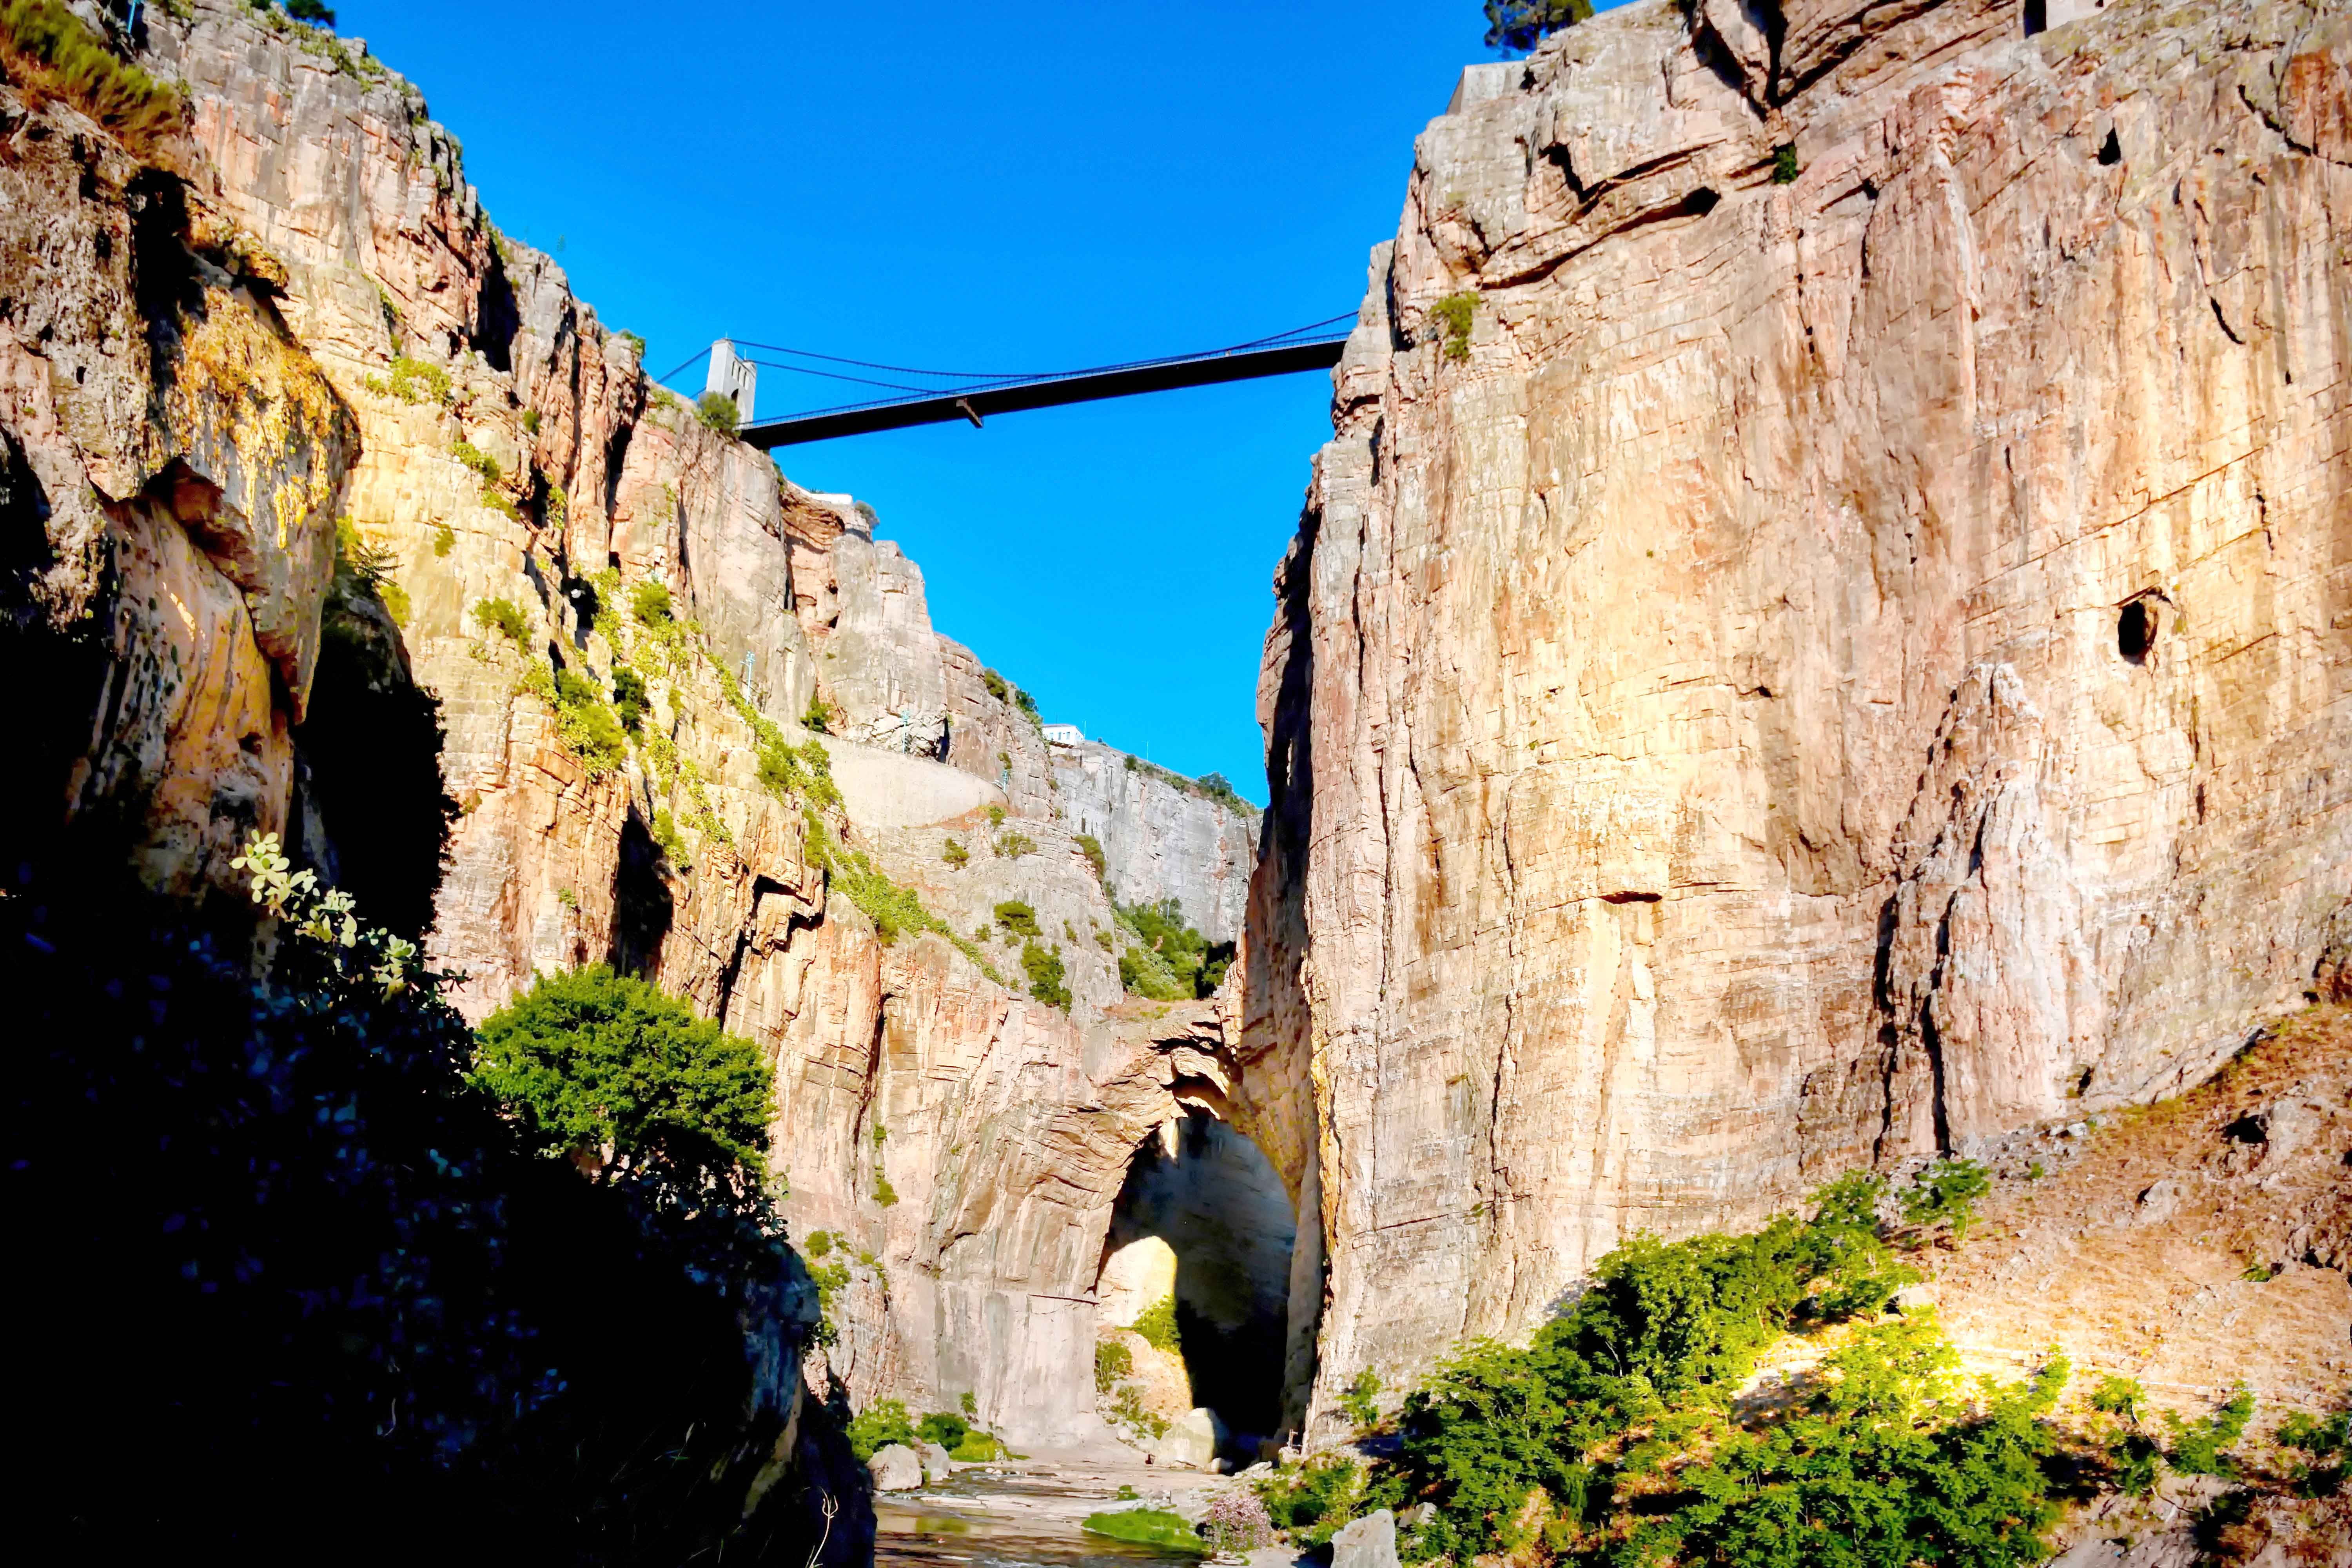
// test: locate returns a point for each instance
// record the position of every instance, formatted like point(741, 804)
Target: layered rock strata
point(1817, 637)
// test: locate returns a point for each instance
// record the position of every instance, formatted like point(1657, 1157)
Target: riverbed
point(1024, 1515)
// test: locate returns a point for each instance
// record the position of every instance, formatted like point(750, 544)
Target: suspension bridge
point(942, 397)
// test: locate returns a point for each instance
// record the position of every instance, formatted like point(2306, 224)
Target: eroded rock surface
point(831, 828)
point(1840, 659)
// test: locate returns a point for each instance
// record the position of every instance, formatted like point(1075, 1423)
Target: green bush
point(445, 540)
point(997, 686)
point(649, 601)
point(1784, 164)
point(955, 855)
point(1091, 847)
point(1524, 24)
point(505, 617)
point(943, 1427)
point(1014, 845)
point(979, 1448)
point(50, 53)
point(1147, 1527)
point(2202, 1448)
point(1455, 313)
point(1113, 1361)
point(1361, 1403)
point(1945, 1194)
point(1157, 1326)
point(637, 345)
point(629, 700)
point(1172, 962)
point(2321, 1445)
point(669, 841)
point(717, 411)
point(586, 727)
point(819, 717)
point(1047, 980)
point(481, 462)
point(593, 1061)
point(1889, 1462)
point(878, 1427)
point(1312, 1500)
point(314, 11)
point(884, 1193)
point(1017, 918)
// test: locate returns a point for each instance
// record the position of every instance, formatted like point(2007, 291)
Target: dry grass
point(51, 55)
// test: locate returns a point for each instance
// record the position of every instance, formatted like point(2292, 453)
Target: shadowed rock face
point(1840, 662)
point(314, 321)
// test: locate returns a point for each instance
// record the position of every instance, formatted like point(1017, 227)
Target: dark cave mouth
point(1212, 1196)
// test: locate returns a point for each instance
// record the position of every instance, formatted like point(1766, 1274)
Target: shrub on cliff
point(1524, 24)
point(504, 618)
point(1945, 1194)
point(717, 411)
point(609, 1071)
point(1017, 918)
point(1091, 847)
point(1158, 1326)
point(1046, 977)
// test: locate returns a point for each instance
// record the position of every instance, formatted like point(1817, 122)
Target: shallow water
point(1006, 1520)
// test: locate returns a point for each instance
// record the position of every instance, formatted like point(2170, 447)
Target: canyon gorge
point(1818, 641)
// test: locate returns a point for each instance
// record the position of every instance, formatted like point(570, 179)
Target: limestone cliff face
point(336, 336)
point(1835, 656)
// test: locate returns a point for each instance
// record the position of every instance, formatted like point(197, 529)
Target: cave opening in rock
point(1201, 1234)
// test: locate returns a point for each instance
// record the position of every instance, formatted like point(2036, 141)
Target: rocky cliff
point(355, 523)
point(1819, 636)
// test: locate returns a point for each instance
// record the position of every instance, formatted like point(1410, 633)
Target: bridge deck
point(976, 404)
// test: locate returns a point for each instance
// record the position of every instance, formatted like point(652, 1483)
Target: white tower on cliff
point(738, 377)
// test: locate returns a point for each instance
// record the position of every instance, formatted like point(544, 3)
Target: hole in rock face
point(1209, 1226)
point(2136, 630)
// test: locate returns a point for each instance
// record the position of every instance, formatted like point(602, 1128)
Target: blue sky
point(1009, 187)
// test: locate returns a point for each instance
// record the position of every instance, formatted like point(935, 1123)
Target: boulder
point(1192, 1440)
point(896, 1467)
point(1366, 1543)
point(936, 1465)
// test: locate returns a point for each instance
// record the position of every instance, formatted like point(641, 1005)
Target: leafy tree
point(1524, 24)
point(1113, 1361)
point(717, 411)
point(598, 1064)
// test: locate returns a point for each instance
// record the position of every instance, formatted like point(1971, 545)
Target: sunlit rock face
point(1836, 656)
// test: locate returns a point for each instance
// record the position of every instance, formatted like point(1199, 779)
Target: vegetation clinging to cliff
point(601, 1066)
point(50, 53)
point(1524, 24)
point(1611, 1438)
